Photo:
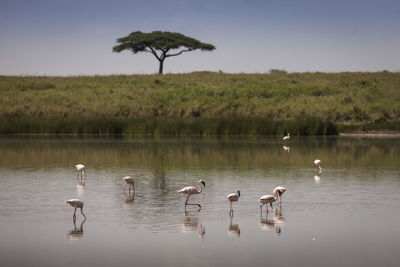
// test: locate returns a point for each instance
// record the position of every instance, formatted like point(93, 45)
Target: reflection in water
point(80, 188)
point(275, 224)
point(129, 199)
point(287, 148)
point(76, 233)
point(192, 224)
point(233, 229)
point(80, 184)
point(317, 177)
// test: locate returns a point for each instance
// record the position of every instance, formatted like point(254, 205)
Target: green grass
point(201, 103)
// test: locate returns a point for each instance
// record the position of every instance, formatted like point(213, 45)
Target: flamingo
point(233, 197)
point(81, 170)
point(129, 182)
point(279, 192)
point(191, 190)
point(76, 203)
point(265, 199)
point(287, 137)
point(317, 163)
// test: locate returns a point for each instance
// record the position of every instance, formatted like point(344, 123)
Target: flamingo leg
point(82, 213)
point(74, 216)
point(125, 187)
point(187, 199)
point(187, 204)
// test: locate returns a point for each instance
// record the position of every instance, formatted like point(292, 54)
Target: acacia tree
point(160, 44)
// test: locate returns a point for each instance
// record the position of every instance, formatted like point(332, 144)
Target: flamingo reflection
point(130, 198)
point(76, 233)
point(81, 184)
point(287, 148)
point(275, 223)
point(192, 224)
point(317, 177)
point(233, 229)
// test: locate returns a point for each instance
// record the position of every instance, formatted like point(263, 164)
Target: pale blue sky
point(75, 37)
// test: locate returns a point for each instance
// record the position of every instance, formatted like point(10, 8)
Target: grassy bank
point(201, 103)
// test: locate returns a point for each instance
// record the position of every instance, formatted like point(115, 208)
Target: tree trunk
point(160, 69)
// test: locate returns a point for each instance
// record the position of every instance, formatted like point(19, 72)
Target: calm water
point(347, 216)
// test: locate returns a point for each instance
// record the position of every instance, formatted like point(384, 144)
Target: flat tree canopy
point(160, 44)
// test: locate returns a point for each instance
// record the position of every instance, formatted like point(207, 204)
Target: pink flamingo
point(76, 203)
point(129, 182)
point(191, 190)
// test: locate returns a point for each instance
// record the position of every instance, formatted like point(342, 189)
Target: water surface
point(346, 216)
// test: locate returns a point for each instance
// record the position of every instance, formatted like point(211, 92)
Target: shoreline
point(372, 134)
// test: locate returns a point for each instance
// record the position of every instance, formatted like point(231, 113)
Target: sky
point(75, 37)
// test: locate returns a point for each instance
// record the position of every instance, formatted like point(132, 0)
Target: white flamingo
point(279, 192)
point(233, 198)
point(76, 203)
point(317, 163)
point(81, 171)
point(191, 190)
point(265, 199)
point(129, 181)
point(287, 137)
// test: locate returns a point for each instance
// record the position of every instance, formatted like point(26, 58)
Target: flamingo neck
point(201, 188)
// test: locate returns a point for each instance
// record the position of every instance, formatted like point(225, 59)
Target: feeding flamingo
point(81, 171)
point(265, 199)
point(129, 182)
point(76, 203)
point(233, 197)
point(191, 190)
point(279, 192)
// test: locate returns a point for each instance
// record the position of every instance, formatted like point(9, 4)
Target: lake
point(348, 215)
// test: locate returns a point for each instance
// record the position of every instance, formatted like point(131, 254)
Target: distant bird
point(76, 203)
point(287, 137)
point(81, 171)
point(233, 197)
point(279, 192)
point(317, 163)
point(129, 182)
point(265, 199)
point(191, 190)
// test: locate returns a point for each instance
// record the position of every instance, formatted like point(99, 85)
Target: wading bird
point(191, 190)
point(76, 203)
point(81, 171)
point(279, 192)
point(265, 199)
point(233, 197)
point(129, 182)
point(317, 163)
point(287, 137)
